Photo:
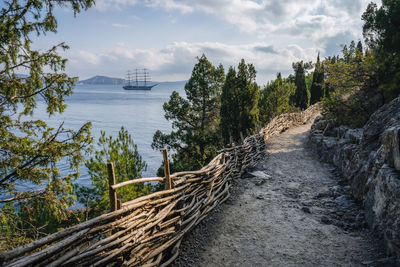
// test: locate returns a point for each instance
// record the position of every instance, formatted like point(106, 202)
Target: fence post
point(168, 180)
point(222, 160)
point(241, 137)
point(247, 132)
point(111, 182)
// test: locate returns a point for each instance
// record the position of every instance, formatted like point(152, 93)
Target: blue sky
point(166, 36)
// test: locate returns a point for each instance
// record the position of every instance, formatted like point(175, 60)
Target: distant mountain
point(102, 80)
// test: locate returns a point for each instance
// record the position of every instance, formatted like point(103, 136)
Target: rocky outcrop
point(369, 160)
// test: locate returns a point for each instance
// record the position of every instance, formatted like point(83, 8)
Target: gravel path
point(292, 211)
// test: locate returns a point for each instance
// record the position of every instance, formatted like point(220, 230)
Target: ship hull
point(134, 87)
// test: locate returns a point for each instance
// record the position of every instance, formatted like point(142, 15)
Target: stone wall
point(369, 159)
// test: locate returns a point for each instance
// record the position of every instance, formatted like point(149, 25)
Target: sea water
point(109, 107)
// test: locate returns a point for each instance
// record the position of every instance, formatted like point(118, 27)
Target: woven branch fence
point(148, 231)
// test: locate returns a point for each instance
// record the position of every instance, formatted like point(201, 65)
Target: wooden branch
point(135, 181)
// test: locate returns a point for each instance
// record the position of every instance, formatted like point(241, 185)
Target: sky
point(166, 36)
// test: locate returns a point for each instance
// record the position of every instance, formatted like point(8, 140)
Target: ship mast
point(136, 77)
point(129, 78)
point(145, 76)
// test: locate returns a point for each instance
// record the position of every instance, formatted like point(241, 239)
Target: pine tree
point(195, 120)
point(229, 112)
point(248, 97)
point(274, 98)
point(359, 46)
point(382, 36)
point(240, 101)
point(300, 96)
point(128, 165)
point(317, 86)
point(30, 149)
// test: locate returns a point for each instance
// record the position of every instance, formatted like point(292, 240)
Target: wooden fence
point(148, 230)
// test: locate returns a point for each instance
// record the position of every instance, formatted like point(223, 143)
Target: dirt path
point(292, 212)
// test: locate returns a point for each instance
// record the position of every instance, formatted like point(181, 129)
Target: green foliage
point(128, 165)
point(382, 35)
point(355, 96)
point(195, 120)
point(317, 86)
point(229, 111)
point(348, 112)
point(300, 98)
point(239, 103)
point(274, 99)
point(30, 149)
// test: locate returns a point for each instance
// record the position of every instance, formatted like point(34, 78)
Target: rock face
point(369, 159)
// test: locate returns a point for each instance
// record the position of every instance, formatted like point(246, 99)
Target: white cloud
point(88, 57)
point(118, 25)
point(105, 5)
point(287, 31)
point(170, 5)
point(175, 61)
point(309, 18)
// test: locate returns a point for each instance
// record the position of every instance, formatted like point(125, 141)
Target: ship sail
point(141, 82)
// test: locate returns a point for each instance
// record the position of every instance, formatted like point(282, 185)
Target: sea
point(109, 107)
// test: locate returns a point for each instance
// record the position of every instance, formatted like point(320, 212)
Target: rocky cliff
point(369, 160)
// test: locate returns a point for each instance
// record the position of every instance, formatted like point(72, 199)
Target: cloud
point(175, 61)
point(117, 25)
point(269, 49)
point(89, 57)
point(279, 33)
point(169, 5)
point(105, 5)
point(308, 18)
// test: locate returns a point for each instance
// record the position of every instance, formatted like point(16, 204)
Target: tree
point(248, 97)
point(229, 112)
point(274, 98)
point(359, 47)
point(382, 35)
point(300, 98)
point(355, 96)
point(195, 120)
point(30, 149)
point(128, 165)
point(317, 86)
point(239, 111)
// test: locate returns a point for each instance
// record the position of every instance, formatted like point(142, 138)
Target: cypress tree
point(239, 102)
point(317, 90)
point(248, 97)
point(229, 111)
point(359, 46)
point(300, 96)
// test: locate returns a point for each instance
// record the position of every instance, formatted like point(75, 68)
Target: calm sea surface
point(109, 107)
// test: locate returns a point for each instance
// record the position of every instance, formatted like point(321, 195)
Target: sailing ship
point(139, 80)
